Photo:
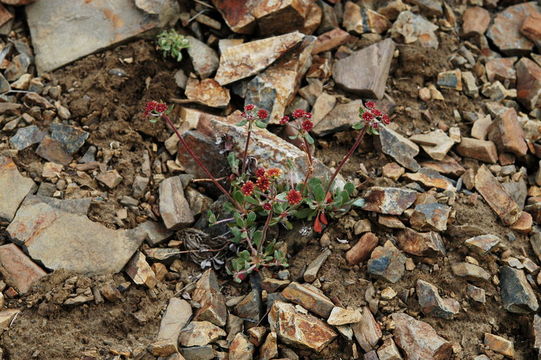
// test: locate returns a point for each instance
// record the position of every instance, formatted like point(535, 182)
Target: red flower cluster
point(262, 114)
point(263, 183)
point(248, 188)
point(284, 120)
point(307, 125)
point(260, 172)
point(299, 113)
point(372, 116)
point(267, 206)
point(274, 173)
point(249, 107)
point(293, 197)
point(154, 108)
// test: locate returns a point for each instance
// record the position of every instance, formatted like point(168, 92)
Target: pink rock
point(18, 269)
point(528, 83)
point(475, 21)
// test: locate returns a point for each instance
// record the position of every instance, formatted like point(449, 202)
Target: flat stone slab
point(13, 188)
point(18, 269)
point(68, 240)
point(64, 31)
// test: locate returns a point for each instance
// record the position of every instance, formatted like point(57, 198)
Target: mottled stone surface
point(421, 243)
point(18, 269)
point(387, 262)
point(82, 27)
point(174, 207)
point(528, 83)
point(401, 149)
point(391, 201)
point(411, 28)
point(27, 136)
point(517, 294)
point(433, 304)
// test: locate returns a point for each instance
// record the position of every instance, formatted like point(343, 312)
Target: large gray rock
point(13, 188)
point(204, 59)
point(62, 239)
point(365, 71)
point(401, 149)
point(174, 207)
point(64, 31)
point(517, 294)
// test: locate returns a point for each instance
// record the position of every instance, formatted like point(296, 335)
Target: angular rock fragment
point(402, 150)
point(436, 143)
point(414, 28)
point(496, 196)
point(18, 269)
point(470, 271)
point(241, 348)
point(294, 328)
point(528, 83)
point(53, 150)
point(476, 293)
point(140, 271)
point(478, 149)
point(207, 92)
point(517, 294)
point(391, 201)
point(389, 351)
point(200, 333)
point(71, 137)
point(207, 294)
point(505, 30)
point(235, 65)
point(310, 274)
point(198, 353)
point(431, 178)
point(330, 40)
point(450, 80)
point(13, 188)
point(269, 149)
point(480, 127)
point(309, 297)
point(204, 58)
point(421, 244)
point(176, 316)
point(57, 238)
point(275, 88)
point(323, 105)
point(340, 316)
point(387, 262)
point(362, 249)
point(419, 340)
point(363, 20)
point(482, 243)
point(432, 303)
point(531, 29)
point(431, 216)
point(111, 23)
point(507, 133)
point(27, 136)
point(367, 331)
point(500, 345)
point(110, 178)
point(269, 349)
point(501, 69)
point(340, 118)
point(475, 21)
point(174, 207)
point(365, 71)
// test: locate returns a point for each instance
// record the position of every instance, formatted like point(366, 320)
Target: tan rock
point(500, 345)
point(528, 83)
point(341, 316)
point(367, 331)
point(200, 333)
point(330, 40)
point(140, 271)
point(475, 21)
point(207, 92)
point(269, 349)
point(362, 249)
point(174, 207)
point(478, 149)
point(309, 297)
point(241, 348)
point(14, 187)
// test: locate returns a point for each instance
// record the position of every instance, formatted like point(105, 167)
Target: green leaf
point(251, 218)
point(319, 193)
point(349, 187)
point(245, 254)
point(358, 126)
point(211, 217)
point(251, 200)
point(260, 124)
point(359, 202)
point(293, 137)
point(304, 213)
point(242, 122)
point(239, 221)
point(237, 195)
point(278, 208)
point(237, 264)
point(256, 238)
point(308, 138)
point(313, 182)
point(288, 225)
point(233, 162)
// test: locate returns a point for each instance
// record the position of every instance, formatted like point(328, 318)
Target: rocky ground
point(101, 211)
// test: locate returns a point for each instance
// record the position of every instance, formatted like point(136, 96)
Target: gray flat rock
point(13, 188)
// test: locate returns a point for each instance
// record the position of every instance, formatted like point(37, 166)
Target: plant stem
point(346, 158)
point(265, 229)
point(249, 242)
point(201, 165)
point(245, 155)
point(310, 163)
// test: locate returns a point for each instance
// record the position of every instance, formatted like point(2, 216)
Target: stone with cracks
point(340, 118)
point(13, 188)
point(269, 149)
point(236, 65)
point(365, 71)
point(309, 297)
point(60, 239)
point(241, 348)
point(517, 294)
point(363, 20)
point(340, 316)
point(505, 30)
point(297, 329)
point(419, 340)
point(83, 27)
point(275, 88)
point(72, 138)
point(207, 294)
point(432, 303)
point(421, 244)
point(496, 196)
point(176, 316)
point(401, 149)
point(269, 349)
point(478, 149)
point(174, 207)
point(18, 269)
point(528, 83)
point(388, 200)
point(26, 137)
point(431, 216)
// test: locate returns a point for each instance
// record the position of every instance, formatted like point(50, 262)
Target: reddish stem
point(245, 155)
point(346, 158)
point(265, 229)
point(201, 165)
point(310, 162)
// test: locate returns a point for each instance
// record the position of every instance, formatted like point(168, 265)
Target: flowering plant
point(261, 198)
point(171, 43)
